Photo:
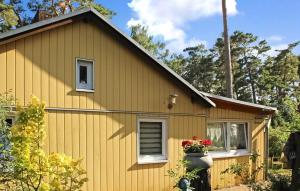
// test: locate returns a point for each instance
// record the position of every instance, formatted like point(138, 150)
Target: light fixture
point(172, 100)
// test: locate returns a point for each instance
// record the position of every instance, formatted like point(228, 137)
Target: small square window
point(84, 75)
point(9, 121)
point(152, 140)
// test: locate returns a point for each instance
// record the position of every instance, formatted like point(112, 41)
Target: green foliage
point(14, 13)
point(8, 18)
point(27, 166)
point(278, 180)
point(157, 48)
point(246, 172)
point(277, 138)
point(180, 171)
point(200, 68)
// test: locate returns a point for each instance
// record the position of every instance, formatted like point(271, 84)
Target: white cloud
point(274, 48)
point(275, 38)
point(168, 18)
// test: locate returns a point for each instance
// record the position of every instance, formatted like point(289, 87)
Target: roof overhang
point(233, 104)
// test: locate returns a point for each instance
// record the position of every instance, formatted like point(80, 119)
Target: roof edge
point(263, 107)
point(28, 28)
point(164, 66)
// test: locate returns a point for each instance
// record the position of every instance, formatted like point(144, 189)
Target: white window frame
point(229, 152)
point(77, 84)
point(148, 159)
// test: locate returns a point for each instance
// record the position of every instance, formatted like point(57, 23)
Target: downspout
point(267, 146)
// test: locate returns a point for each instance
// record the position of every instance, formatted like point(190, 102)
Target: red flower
point(207, 142)
point(195, 138)
point(186, 143)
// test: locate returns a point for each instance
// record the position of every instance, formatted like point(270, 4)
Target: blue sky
point(181, 23)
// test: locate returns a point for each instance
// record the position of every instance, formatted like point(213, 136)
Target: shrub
point(277, 139)
point(27, 166)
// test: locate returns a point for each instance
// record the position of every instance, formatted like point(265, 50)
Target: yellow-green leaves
point(31, 169)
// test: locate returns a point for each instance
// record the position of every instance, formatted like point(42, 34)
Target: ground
point(235, 188)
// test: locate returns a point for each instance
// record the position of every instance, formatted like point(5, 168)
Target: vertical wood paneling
point(44, 65)
point(68, 66)
point(104, 153)
point(52, 136)
point(122, 149)
point(11, 67)
point(53, 69)
point(60, 63)
point(75, 54)
point(60, 132)
point(83, 54)
point(75, 135)
point(68, 134)
point(36, 65)
point(90, 150)
point(97, 58)
point(3, 68)
point(116, 150)
point(28, 69)
point(110, 151)
point(90, 54)
point(20, 52)
point(96, 153)
point(83, 141)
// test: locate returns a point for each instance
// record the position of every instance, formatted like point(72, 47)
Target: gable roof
point(41, 24)
point(205, 97)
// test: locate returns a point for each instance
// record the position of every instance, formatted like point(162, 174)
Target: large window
point(228, 136)
point(84, 75)
point(152, 140)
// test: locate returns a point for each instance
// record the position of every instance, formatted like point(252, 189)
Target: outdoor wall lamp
point(172, 100)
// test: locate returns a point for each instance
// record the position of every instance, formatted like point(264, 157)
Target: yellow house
point(104, 93)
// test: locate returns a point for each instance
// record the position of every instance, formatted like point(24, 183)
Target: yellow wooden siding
point(44, 65)
point(48, 62)
point(257, 126)
point(107, 143)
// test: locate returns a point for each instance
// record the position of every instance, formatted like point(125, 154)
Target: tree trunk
point(252, 86)
point(228, 67)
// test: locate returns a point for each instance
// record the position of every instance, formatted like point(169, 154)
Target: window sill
point(84, 90)
point(229, 154)
point(152, 161)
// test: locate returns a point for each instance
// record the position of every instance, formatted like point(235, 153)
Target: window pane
point(216, 133)
point(238, 136)
point(83, 74)
point(150, 138)
point(9, 122)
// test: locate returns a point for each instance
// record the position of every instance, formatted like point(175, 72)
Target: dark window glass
point(9, 122)
point(83, 74)
point(150, 138)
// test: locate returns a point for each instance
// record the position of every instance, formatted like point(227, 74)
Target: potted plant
point(196, 153)
point(182, 176)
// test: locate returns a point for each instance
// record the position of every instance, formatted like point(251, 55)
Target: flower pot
point(198, 160)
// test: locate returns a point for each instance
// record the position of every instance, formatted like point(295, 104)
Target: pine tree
point(157, 48)
point(200, 68)
point(8, 18)
point(13, 13)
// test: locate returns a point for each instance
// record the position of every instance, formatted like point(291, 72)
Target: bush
point(277, 139)
point(26, 165)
